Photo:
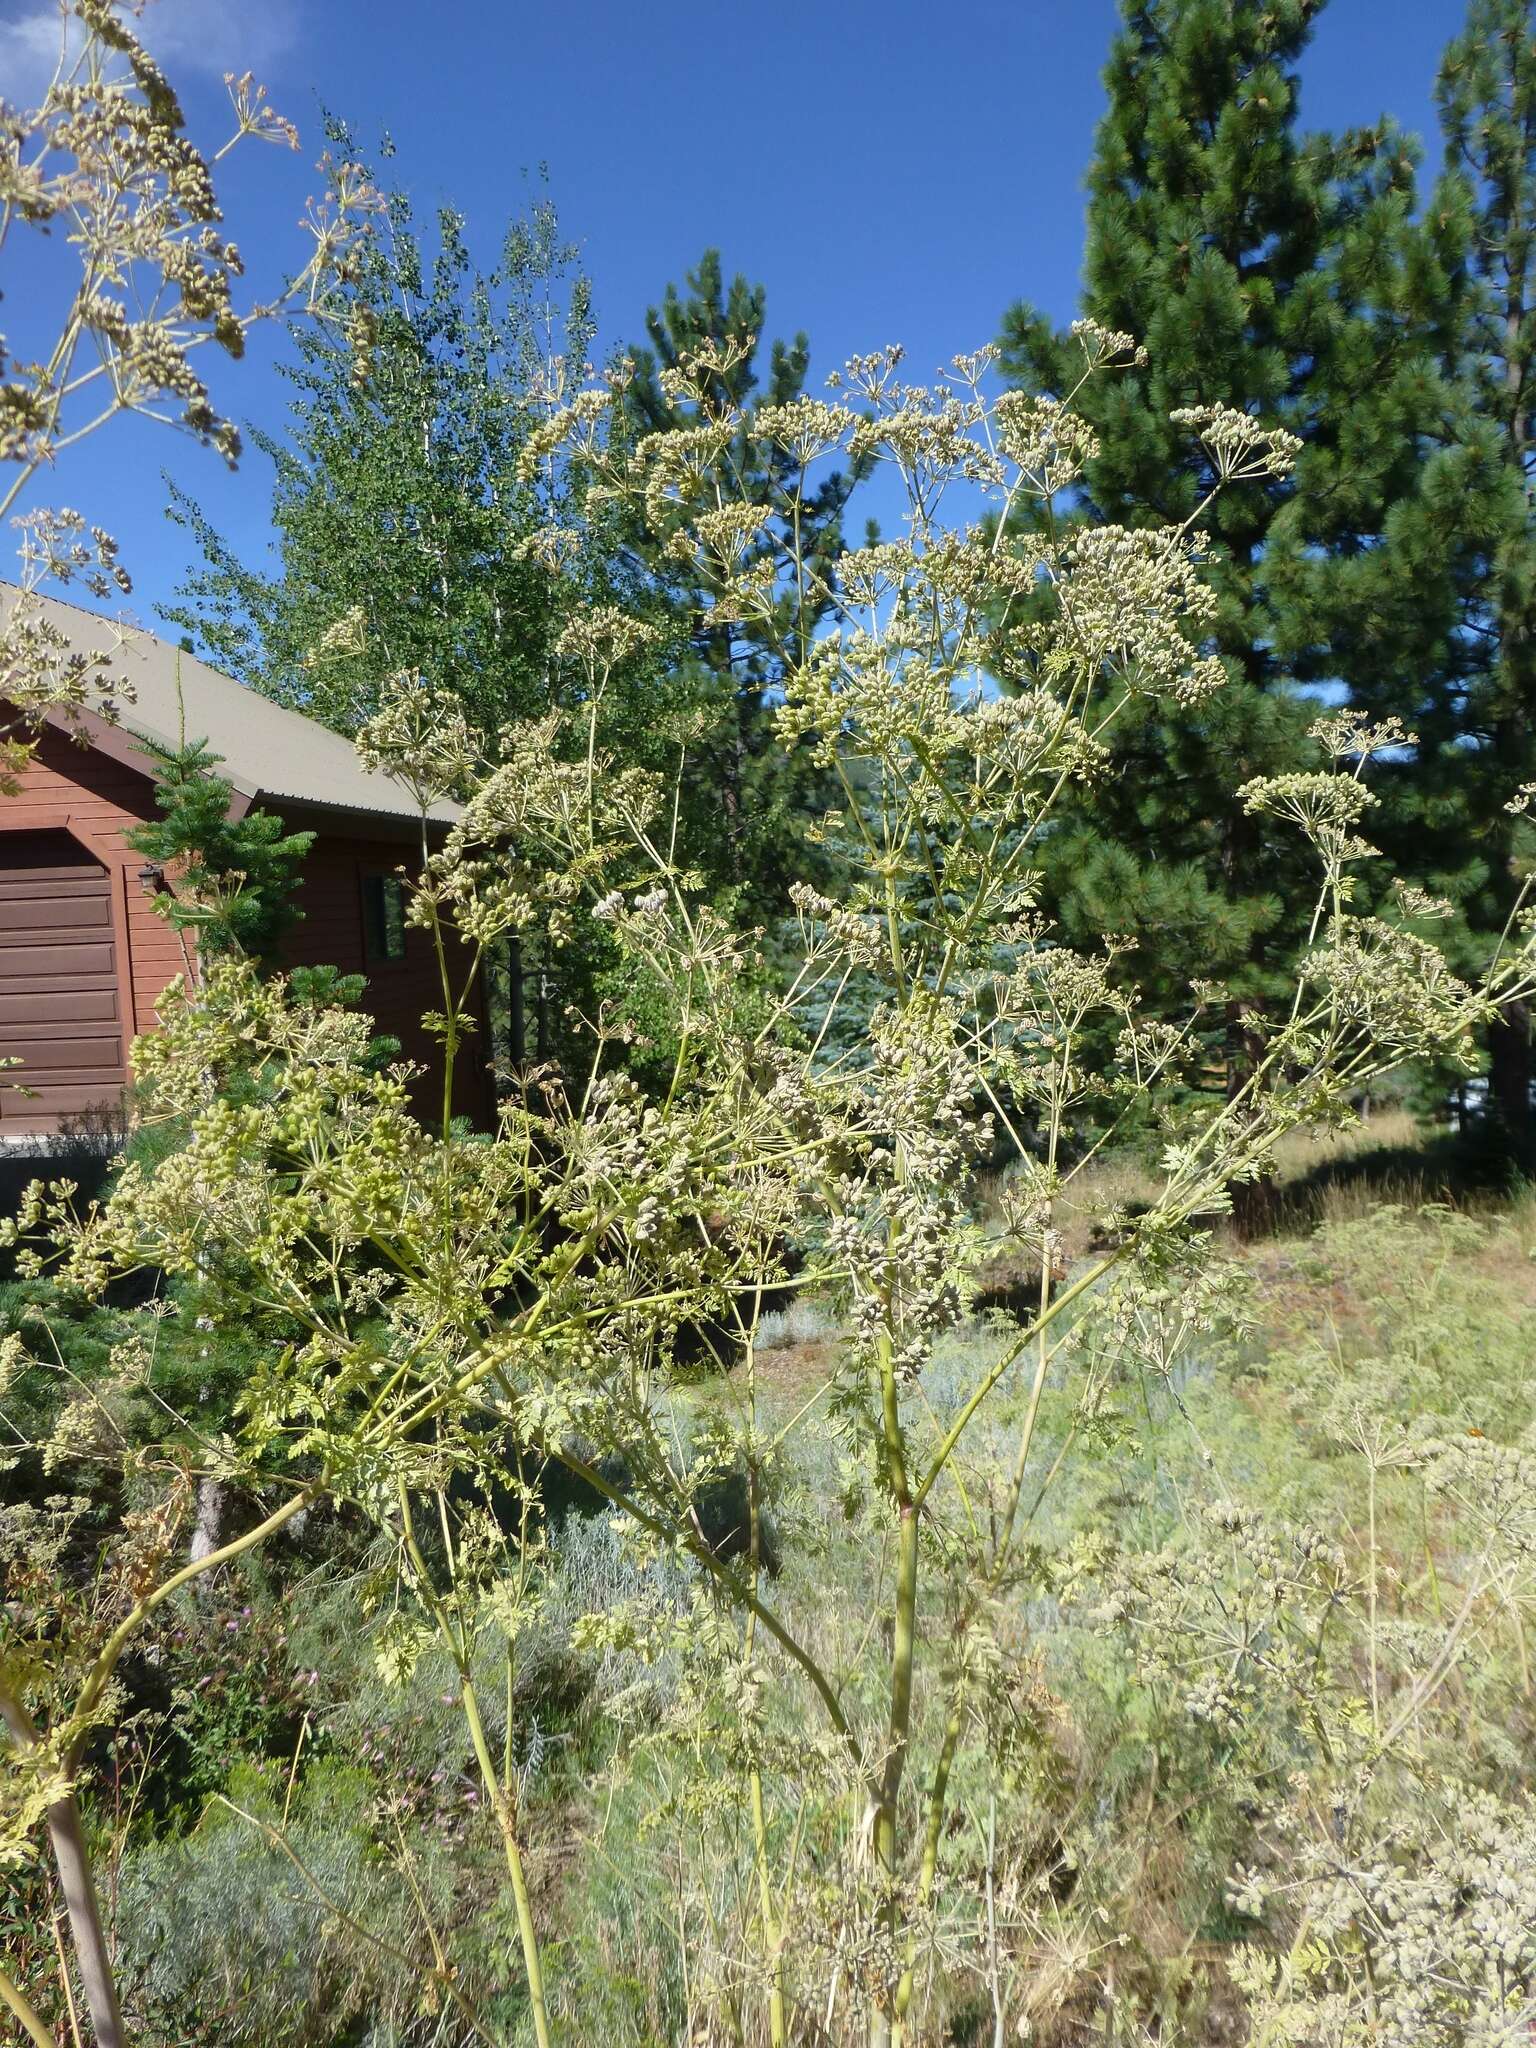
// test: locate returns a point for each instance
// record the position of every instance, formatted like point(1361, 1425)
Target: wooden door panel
point(60, 1000)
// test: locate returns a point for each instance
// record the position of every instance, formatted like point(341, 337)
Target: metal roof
point(266, 749)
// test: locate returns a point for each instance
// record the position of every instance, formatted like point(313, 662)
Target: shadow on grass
point(1471, 1169)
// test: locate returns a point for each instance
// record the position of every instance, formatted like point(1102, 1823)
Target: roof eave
point(119, 743)
point(389, 824)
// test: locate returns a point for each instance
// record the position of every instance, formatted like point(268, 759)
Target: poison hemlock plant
point(454, 1320)
point(705, 358)
point(467, 1313)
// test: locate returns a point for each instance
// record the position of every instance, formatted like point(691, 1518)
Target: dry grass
point(1321, 1177)
point(1327, 1312)
point(1325, 1180)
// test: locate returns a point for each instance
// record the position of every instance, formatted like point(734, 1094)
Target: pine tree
point(1249, 259)
point(227, 876)
point(1487, 102)
point(758, 790)
point(1439, 628)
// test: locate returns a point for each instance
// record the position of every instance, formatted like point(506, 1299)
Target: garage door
point(59, 1000)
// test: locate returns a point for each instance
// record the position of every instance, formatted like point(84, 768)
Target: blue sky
point(896, 172)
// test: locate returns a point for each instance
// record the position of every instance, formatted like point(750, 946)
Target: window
point(384, 917)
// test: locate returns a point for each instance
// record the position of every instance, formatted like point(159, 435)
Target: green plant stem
point(940, 1788)
point(777, 2022)
point(935, 1828)
point(450, 1009)
point(1021, 1458)
point(527, 1933)
point(958, 1427)
point(495, 1790)
point(885, 2027)
point(1371, 1597)
point(106, 1661)
point(13, 1996)
point(777, 2025)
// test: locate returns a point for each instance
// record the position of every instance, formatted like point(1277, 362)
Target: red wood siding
point(101, 965)
point(75, 788)
point(331, 934)
point(60, 1007)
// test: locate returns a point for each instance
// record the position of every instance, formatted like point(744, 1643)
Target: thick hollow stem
point(937, 1797)
point(495, 1787)
point(501, 1805)
point(885, 2023)
point(777, 2023)
point(72, 1860)
point(777, 2020)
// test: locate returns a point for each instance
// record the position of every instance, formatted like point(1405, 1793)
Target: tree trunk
point(1509, 1076)
point(1255, 1203)
point(207, 1529)
point(1255, 1208)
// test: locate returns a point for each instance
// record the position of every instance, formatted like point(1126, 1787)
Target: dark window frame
point(382, 897)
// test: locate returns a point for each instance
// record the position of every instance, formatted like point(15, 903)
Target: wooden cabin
point(83, 954)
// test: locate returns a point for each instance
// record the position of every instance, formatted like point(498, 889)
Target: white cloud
point(220, 35)
point(205, 36)
point(29, 49)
